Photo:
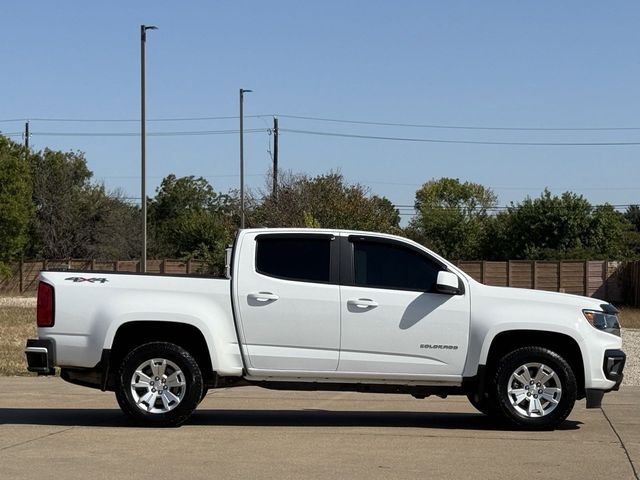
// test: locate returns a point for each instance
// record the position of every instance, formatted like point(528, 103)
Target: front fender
point(493, 332)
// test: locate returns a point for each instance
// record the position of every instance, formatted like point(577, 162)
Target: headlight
point(607, 322)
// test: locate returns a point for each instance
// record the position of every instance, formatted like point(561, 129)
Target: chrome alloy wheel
point(158, 385)
point(534, 390)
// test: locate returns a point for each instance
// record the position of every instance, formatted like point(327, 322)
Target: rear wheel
point(159, 385)
point(535, 388)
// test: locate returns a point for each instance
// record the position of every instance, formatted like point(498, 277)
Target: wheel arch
point(561, 343)
point(135, 333)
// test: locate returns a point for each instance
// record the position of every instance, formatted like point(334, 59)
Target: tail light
point(45, 311)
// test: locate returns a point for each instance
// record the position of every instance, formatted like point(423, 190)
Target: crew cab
point(318, 309)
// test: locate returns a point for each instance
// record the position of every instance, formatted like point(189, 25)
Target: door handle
point(263, 296)
point(362, 303)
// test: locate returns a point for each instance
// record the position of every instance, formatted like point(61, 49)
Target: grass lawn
point(630, 317)
point(18, 323)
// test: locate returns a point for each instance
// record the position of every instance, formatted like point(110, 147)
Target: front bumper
point(612, 366)
point(40, 356)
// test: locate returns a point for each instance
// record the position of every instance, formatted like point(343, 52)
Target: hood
point(522, 295)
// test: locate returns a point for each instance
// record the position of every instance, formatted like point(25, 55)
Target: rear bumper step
point(40, 356)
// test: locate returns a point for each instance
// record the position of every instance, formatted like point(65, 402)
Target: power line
point(468, 142)
point(506, 207)
point(230, 175)
point(150, 134)
point(455, 127)
point(124, 120)
point(573, 189)
point(319, 133)
point(325, 119)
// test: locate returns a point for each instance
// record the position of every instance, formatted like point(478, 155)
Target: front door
point(393, 320)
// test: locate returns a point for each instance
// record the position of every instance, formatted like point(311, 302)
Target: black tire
point(205, 390)
point(547, 413)
point(480, 404)
point(182, 369)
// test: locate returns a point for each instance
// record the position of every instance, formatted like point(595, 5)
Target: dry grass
point(16, 325)
point(630, 317)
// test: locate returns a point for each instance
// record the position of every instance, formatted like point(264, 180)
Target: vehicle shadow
point(267, 418)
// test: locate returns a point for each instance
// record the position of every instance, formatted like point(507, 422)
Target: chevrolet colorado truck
point(317, 309)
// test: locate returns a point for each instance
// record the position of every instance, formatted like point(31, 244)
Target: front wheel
point(534, 388)
point(480, 404)
point(159, 385)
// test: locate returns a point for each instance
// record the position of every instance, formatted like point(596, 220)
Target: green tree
point(60, 179)
point(452, 217)
point(75, 218)
point(112, 226)
point(187, 218)
point(15, 200)
point(558, 227)
point(633, 216)
point(325, 201)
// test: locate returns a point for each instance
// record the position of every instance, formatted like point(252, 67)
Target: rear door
point(288, 301)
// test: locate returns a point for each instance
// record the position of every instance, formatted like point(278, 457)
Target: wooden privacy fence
point(24, 275)
point(612, 281)
point(630, 275)
point(599, 279)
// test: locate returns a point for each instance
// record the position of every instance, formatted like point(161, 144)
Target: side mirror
point(447, 282)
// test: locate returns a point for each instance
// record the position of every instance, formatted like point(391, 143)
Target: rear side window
point(296, 258)
point(381, 265)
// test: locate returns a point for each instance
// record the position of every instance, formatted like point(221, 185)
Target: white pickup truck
point(310, 309)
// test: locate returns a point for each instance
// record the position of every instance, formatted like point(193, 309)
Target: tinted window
point(303, 259)
point(389, 266)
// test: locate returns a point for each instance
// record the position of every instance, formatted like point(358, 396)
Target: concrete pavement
point(50, 429)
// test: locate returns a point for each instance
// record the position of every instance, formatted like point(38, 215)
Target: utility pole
point(242, 92)
point(143, 146)
point(26, 141)
point(275, 158)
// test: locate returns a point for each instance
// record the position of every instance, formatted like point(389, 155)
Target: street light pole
point(242, 92)
point(143, 146)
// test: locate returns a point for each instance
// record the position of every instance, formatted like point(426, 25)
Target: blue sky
point(512, 64)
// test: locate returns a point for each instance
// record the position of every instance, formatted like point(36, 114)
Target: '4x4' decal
point(90, 279)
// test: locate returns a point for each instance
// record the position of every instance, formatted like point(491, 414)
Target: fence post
point(534, 273)
point(188, 266)
point(21, 276)
point(483, 269)
point(605, 279)
point(508, 273)
point(636, 283)
point(586, 278)
point(560, 276)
